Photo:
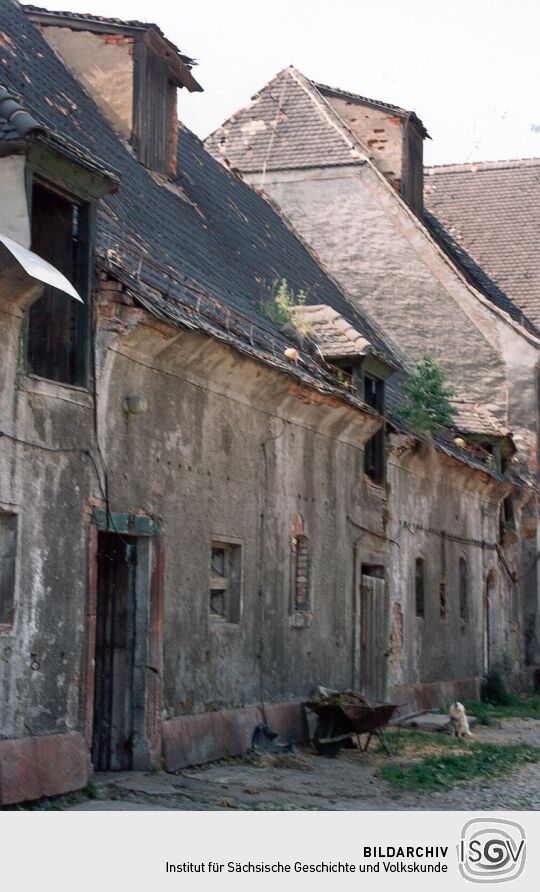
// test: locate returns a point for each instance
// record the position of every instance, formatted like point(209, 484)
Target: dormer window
point(131, 71)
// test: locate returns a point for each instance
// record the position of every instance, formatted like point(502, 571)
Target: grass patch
point(438, 771)
point(411, 743)
point(525, 707)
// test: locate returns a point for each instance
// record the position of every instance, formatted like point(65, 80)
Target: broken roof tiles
point(333, 334)
point(209, 262)
point(487, 217)
point(285, 127)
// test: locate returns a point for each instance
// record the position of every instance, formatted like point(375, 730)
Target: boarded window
point(8, 552)
point(374, 448)
point(463, 588)
point(57, 345)
point(225, 582)
point(419, 586)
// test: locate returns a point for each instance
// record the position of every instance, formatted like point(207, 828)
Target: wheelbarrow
point(348, 715)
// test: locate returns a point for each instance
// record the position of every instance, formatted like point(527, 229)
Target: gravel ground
point(348, 782)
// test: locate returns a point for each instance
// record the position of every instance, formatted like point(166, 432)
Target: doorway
point(116, 642)
point(373, 632)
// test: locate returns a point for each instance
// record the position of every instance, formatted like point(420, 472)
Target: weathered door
point(373, 634)
point(112, 744)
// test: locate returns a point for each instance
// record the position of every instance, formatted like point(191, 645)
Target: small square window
point(225, 582)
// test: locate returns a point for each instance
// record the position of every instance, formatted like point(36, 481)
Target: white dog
point(459, 724)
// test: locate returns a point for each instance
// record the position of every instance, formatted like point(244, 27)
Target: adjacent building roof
point(209, 262)
point(286, 126)
point(487, 217)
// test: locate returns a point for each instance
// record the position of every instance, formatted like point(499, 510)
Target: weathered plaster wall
point(376, 250)
point(104, 65)
point(227, 448)
point(390, 266)
point(14, 220)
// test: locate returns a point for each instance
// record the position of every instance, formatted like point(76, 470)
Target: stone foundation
point(42, 766)
point(434, 694)
point(195, 739)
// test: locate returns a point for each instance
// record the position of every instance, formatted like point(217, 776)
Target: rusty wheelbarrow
point(342, 716)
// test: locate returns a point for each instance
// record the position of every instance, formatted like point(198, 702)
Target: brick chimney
point(393, 136)
point(131, 71)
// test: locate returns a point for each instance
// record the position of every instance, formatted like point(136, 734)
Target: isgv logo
point(491, 850)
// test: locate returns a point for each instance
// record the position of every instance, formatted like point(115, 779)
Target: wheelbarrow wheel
point(326, 747)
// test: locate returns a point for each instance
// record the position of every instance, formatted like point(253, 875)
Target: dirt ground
point(310, 782)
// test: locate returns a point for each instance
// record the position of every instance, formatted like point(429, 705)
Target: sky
point(470, 69)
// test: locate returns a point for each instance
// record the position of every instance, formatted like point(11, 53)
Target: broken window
point(8, 552)
point(419, 586)
point(225, 582)
point(374, 448)
point(58, 326)
point(463, 588)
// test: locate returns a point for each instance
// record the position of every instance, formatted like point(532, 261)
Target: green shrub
point(427, 404)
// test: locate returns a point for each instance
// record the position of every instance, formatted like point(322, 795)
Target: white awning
point(38, 268)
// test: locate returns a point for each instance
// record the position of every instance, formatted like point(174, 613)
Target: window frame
point(376, 445)
point(420, 596)
point(84, 278)
point(464, 588)
point(7, 624)
point(233, 582)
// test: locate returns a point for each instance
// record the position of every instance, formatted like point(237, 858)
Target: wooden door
point(112, 744)
point(373, 635)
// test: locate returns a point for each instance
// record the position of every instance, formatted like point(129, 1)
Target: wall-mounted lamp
point(135, 405)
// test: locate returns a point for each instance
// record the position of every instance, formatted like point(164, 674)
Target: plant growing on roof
point(427, 405)
point(282, 308)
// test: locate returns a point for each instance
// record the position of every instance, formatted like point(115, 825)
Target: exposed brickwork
point(116, 310)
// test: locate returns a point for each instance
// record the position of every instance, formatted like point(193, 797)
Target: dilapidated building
point(348, 172)
point(202, 514)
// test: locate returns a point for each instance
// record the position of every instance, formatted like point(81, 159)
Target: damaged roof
point(207, 255)
point(472, 418)
point(290, 124)
point(337, 93)
point(61, 17)
point(486, 216)
point(333, 334)
point(209, 262)
point(286, 126)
